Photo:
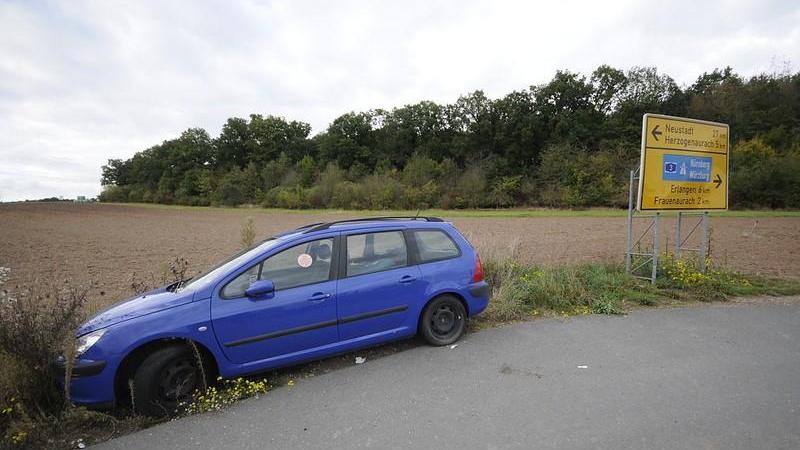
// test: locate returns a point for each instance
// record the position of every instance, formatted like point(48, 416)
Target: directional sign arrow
point(655, 132)
point(718, 181)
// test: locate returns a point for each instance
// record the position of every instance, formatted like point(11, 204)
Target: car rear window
point(435, 245)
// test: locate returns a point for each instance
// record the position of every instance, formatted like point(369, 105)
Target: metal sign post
point(636, 257)
point(681, 240)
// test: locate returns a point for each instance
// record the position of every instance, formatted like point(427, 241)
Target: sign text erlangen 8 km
point(684, 164)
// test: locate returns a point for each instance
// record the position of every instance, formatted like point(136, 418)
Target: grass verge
point(524, 291)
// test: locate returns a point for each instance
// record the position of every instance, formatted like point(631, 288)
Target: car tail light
point(477, 274)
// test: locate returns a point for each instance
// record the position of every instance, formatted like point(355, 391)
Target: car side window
point(299, 265)
point(306, 263)
point(434, 245)
point(236, 287)
point(375, 252)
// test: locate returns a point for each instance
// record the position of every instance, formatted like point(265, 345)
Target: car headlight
point(86, 341)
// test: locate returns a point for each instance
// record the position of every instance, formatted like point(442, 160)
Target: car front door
point(299, 315)
point(378, 286)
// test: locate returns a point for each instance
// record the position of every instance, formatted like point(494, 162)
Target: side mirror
point(260, 288)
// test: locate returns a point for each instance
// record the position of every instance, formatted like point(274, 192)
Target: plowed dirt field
point(105, 244)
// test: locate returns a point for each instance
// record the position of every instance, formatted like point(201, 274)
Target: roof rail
point(324, 226)
point(309, 225)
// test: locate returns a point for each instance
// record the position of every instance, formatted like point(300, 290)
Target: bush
point(348, 195)
point(306, 171)
point(275, 171)
point(114, 193)
point(136, 194)
point(576, 178)
point(419, 170)
point(506, 191)
point(321, 194)
point(469, 190)
point(165, 193)
point(229, 191)
point(713, 284)
point(383, 191)
point(422, 197)
point(284, 197)
point(37, 325)
point(248, 233)
point(763, 178)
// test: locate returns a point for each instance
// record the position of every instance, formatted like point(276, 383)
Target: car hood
point(147, 303)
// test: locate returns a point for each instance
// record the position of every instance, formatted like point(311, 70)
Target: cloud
point(82, 82)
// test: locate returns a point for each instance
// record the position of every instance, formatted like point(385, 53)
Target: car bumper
point(91, 383)
point(480, 289)
point(82, 368)
point(479, 293)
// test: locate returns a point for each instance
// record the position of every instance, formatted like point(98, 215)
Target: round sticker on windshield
point(304, 260)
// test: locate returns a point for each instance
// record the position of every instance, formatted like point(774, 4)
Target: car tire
point(166, 378)
point(443, 321)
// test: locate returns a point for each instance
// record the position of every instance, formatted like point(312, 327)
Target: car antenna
point(417, 214)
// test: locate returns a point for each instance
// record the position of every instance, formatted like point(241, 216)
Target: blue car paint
point(376, 302)
point(236, 321)
point(244, 335)
point(179, 322)
point(149, 302)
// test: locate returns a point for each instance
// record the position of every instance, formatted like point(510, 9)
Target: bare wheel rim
point(445, 321)
point(178, 380)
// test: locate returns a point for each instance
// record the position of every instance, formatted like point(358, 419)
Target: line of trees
point(566, 143)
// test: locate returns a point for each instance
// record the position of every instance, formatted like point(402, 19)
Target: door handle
point(318, 297)
point(407, 278)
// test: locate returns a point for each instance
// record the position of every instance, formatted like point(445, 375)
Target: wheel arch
point(441, 294)
point(134, 358)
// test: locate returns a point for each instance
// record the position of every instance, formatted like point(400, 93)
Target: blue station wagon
point(313, 292)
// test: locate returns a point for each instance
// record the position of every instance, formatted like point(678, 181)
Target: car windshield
point(202, 281)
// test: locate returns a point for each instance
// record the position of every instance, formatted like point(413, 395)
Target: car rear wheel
point(443, 321)
point(165, 379)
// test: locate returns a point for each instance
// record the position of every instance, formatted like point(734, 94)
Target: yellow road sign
point(684, 164)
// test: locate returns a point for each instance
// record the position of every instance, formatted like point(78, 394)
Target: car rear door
point(300, 315)
point(378, 287)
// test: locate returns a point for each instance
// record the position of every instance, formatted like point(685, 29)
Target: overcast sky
point(82, 82)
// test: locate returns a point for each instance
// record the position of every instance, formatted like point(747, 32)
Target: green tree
point(348, 140)
point(115, 172)
point(231, 145)
point(567, 142)
point(306, 171)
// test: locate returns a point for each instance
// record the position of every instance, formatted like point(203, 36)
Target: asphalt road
point(709, 377)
